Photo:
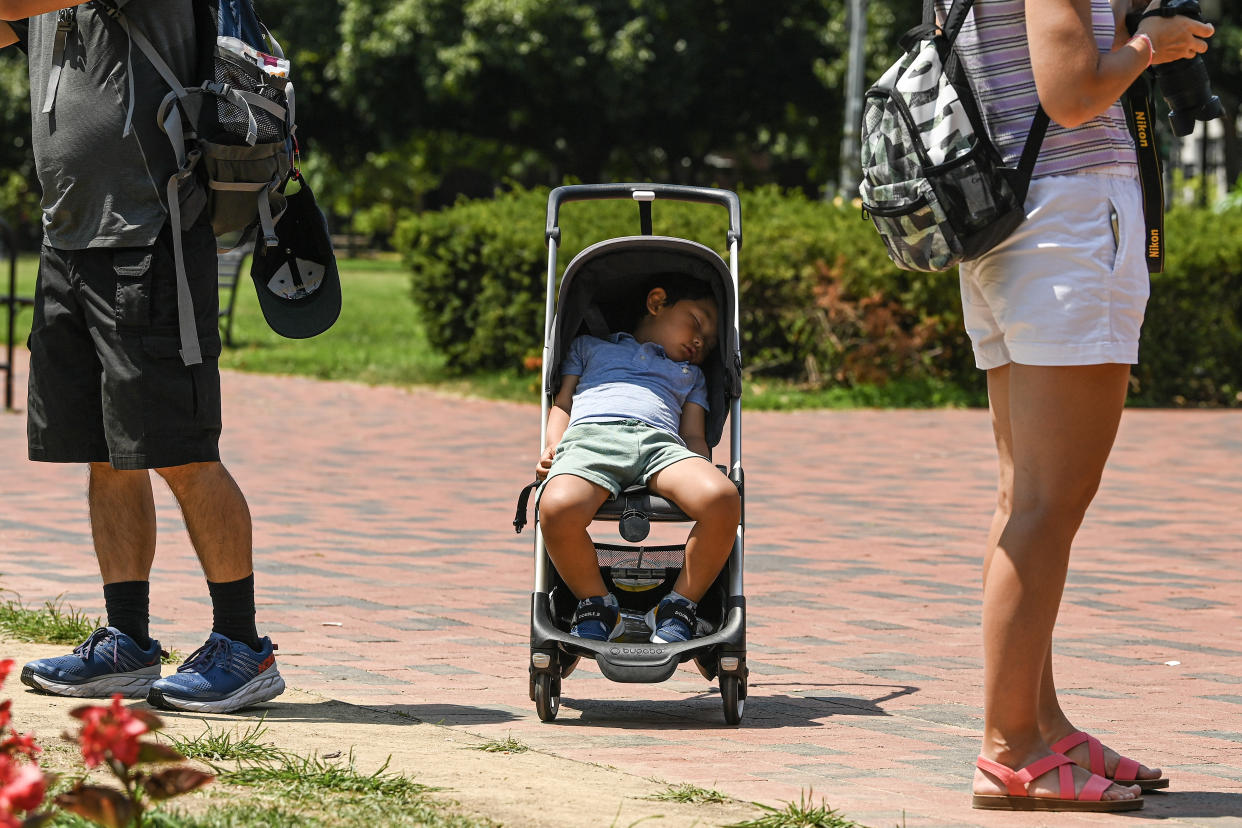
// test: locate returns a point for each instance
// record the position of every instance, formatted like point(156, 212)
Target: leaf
point(109, 808)
point(174, 781)
point(152, 752)
point(38, 820)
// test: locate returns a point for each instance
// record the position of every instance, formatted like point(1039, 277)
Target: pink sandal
point(1127, 768)
point(1020, 799)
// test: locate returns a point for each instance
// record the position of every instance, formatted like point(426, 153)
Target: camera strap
point(1137, 103)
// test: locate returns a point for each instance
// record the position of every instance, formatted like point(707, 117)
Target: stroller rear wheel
point(547, 696)
point(733, 694)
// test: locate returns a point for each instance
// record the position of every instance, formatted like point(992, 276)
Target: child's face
point(686, 331)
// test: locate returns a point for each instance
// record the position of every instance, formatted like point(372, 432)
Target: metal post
point(849, 173)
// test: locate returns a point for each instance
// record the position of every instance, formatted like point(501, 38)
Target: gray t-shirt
point(621, 378)
point(100, 187)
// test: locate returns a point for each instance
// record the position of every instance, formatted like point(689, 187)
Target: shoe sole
point(132, 685)
point(262, 688)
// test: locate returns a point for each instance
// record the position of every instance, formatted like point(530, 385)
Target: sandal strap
point(1016, 782)
point(1094, 790)
point(1127, 770)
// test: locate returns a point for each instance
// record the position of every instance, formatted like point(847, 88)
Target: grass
point(53, 624)
point(689, 794)
point(507, 745)
point(379, 340)
point(219, 745)
point(802, 814)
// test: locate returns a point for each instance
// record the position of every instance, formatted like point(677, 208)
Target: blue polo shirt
point(623, 379)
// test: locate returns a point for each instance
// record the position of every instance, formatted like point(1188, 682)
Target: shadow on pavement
point(763, 709)
point(344, 712)
point(1189, 804)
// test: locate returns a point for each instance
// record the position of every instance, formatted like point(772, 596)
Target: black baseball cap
point(297, 281)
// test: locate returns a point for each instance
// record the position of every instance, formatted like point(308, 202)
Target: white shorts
point(1069, 287)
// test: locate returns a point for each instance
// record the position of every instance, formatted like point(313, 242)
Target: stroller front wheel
point(733, 694)
point(547, 696)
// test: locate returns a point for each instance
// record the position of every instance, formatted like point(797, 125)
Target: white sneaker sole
point(132, 685)
point(263, 687)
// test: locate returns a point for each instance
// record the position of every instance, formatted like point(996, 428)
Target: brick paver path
point(390, 576)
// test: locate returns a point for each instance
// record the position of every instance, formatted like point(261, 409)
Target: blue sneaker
point(219, 677)
point(107, 662)
point(598, 619)
point(671, 621)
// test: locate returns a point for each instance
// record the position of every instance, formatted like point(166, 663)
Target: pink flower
point(22, 787)
point(17, 744)
point(5, 667)
point(112, 731)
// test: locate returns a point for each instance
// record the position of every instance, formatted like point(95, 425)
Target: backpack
point(933, 183)
point(233, 132)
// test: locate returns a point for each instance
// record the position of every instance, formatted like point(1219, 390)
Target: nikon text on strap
point(1137, 103)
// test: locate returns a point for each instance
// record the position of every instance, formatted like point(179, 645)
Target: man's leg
point(122, 513)
point(218, 521)
point(65, 424)
point(235, 668)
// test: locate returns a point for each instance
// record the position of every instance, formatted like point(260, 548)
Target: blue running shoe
point(597, 619)
point(219, 677)
point(671, 621)
point(107, 662)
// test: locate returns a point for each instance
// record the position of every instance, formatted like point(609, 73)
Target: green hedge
point(821, 304)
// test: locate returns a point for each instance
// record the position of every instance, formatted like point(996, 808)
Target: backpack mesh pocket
point(913, 224)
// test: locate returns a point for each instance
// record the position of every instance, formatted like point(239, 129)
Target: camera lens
point(1188, 91)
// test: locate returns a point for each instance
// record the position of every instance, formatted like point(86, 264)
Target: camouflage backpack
point(933, 183)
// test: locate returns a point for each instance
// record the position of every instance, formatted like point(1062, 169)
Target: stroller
point(598, 286)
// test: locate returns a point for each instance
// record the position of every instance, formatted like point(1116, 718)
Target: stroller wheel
point(547, 696)
point(733, 694)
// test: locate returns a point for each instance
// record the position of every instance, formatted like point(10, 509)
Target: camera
point(1184, 83)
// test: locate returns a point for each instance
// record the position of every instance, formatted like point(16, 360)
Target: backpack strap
point(170, 119)
point(66, 21)
point(953, 23)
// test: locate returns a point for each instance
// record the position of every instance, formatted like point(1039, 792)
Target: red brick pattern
point(390, 576)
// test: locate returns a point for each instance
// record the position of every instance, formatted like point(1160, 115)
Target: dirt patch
point(516, 789)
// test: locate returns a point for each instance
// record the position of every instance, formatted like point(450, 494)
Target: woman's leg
point(1054, 430)
point(1053, 723)
point(567, 506)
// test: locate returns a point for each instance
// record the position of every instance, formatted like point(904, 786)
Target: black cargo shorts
point(107, 383)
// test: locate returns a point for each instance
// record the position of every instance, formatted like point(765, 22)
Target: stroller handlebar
point(639, 193)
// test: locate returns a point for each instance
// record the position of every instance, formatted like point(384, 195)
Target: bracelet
point(1151, 47)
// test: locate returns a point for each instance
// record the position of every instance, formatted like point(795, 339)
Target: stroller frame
point(721, 654)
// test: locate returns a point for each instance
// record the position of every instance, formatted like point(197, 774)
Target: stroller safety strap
point(519, 519)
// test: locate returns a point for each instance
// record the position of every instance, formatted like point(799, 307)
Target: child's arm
point(558, 419)
point(694, 429)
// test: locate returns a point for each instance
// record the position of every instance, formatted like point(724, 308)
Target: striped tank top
point(997, 58)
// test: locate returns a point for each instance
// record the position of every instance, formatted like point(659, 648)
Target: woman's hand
point(1175, 38)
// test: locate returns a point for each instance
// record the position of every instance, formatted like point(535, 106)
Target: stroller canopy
point(602, 291)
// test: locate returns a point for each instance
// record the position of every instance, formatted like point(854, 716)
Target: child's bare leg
point(566, 508)
point(712, 501)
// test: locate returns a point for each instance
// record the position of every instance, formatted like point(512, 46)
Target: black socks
point(232, 605)
point(128, 604)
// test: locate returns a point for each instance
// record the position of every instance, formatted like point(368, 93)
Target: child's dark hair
point(678, 286)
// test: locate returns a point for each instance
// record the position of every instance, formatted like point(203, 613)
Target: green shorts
point(616, 454)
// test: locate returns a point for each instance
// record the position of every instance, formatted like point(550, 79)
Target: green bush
point(1191, 347)
point(821, 304)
